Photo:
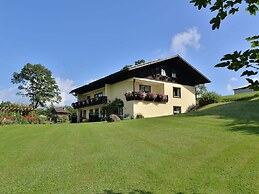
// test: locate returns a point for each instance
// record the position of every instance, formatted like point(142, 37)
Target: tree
point(247, 61)
point(72, 111)
point(37, 84)
point(112, 107)
point(138, 62)
point(127, 67)
point(200, 89)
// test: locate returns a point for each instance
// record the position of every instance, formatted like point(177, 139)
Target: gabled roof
point(61, 110)
point(131, 72)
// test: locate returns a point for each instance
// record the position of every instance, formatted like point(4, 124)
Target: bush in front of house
point(139, 116)
point(208, 98)
point(30, 120)
point(43, 119)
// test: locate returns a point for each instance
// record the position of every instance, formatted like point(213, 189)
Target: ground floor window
point(120, 111)
point(177, 110)
point(176, 92)
point(91, 111)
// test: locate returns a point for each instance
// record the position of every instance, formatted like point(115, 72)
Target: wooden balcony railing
point(90, 102)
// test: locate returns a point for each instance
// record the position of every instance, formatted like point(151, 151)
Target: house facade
point(59, 114)
point(156, 88)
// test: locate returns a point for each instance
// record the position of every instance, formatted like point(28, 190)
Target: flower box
point(150, 97)
point(139, 95)
point(146, 96)
point(129, 96)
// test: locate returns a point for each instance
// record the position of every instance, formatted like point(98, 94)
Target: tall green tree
point(200, 89)
point(247, 61)
point(36, 83)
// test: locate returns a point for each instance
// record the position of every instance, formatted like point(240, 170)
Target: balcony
point(90, 102)
point(152, 97)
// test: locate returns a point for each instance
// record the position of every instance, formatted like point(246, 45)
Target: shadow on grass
point(248, 128)
point(244, 115)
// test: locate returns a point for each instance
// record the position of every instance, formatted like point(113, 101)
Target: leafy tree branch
point(247, 61)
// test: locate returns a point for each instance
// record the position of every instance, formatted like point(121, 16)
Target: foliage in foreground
point(247, 61)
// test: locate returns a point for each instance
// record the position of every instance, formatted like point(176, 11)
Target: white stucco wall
point(148, 109)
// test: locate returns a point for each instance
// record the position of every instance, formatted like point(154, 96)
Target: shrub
point(42, 119)
point(30, 120)
point(112, 107)
point(208, 98)
point(139, 116)
point(7, 122)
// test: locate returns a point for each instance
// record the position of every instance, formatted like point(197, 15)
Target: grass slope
point(215, 150)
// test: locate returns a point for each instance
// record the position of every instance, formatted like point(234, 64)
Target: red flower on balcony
point(150, 97)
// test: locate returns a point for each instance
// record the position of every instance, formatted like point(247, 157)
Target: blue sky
point(82, 40)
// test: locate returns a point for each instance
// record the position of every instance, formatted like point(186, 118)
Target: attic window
point(173, 75)
point(163, 73)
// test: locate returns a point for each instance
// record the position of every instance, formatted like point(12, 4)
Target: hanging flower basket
point(150, 97)
point(129, 96)
point(140, 95)
point(159, 98)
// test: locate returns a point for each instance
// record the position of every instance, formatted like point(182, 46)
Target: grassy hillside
point(240, 97)
point(215, 150)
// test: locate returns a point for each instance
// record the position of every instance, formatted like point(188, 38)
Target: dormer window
point(163, 73)
point(173, 75)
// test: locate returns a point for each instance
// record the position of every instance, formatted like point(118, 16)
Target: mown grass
point(215, 150)
point(240, 97)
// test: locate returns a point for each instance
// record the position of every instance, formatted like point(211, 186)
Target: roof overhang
point(131, 72)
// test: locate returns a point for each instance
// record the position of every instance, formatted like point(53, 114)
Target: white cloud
point(233, 79)
point(65, 86)
point(229, 88)
point(188, 39)
point(9, 94)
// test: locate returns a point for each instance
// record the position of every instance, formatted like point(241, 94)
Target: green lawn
point(215, 150)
